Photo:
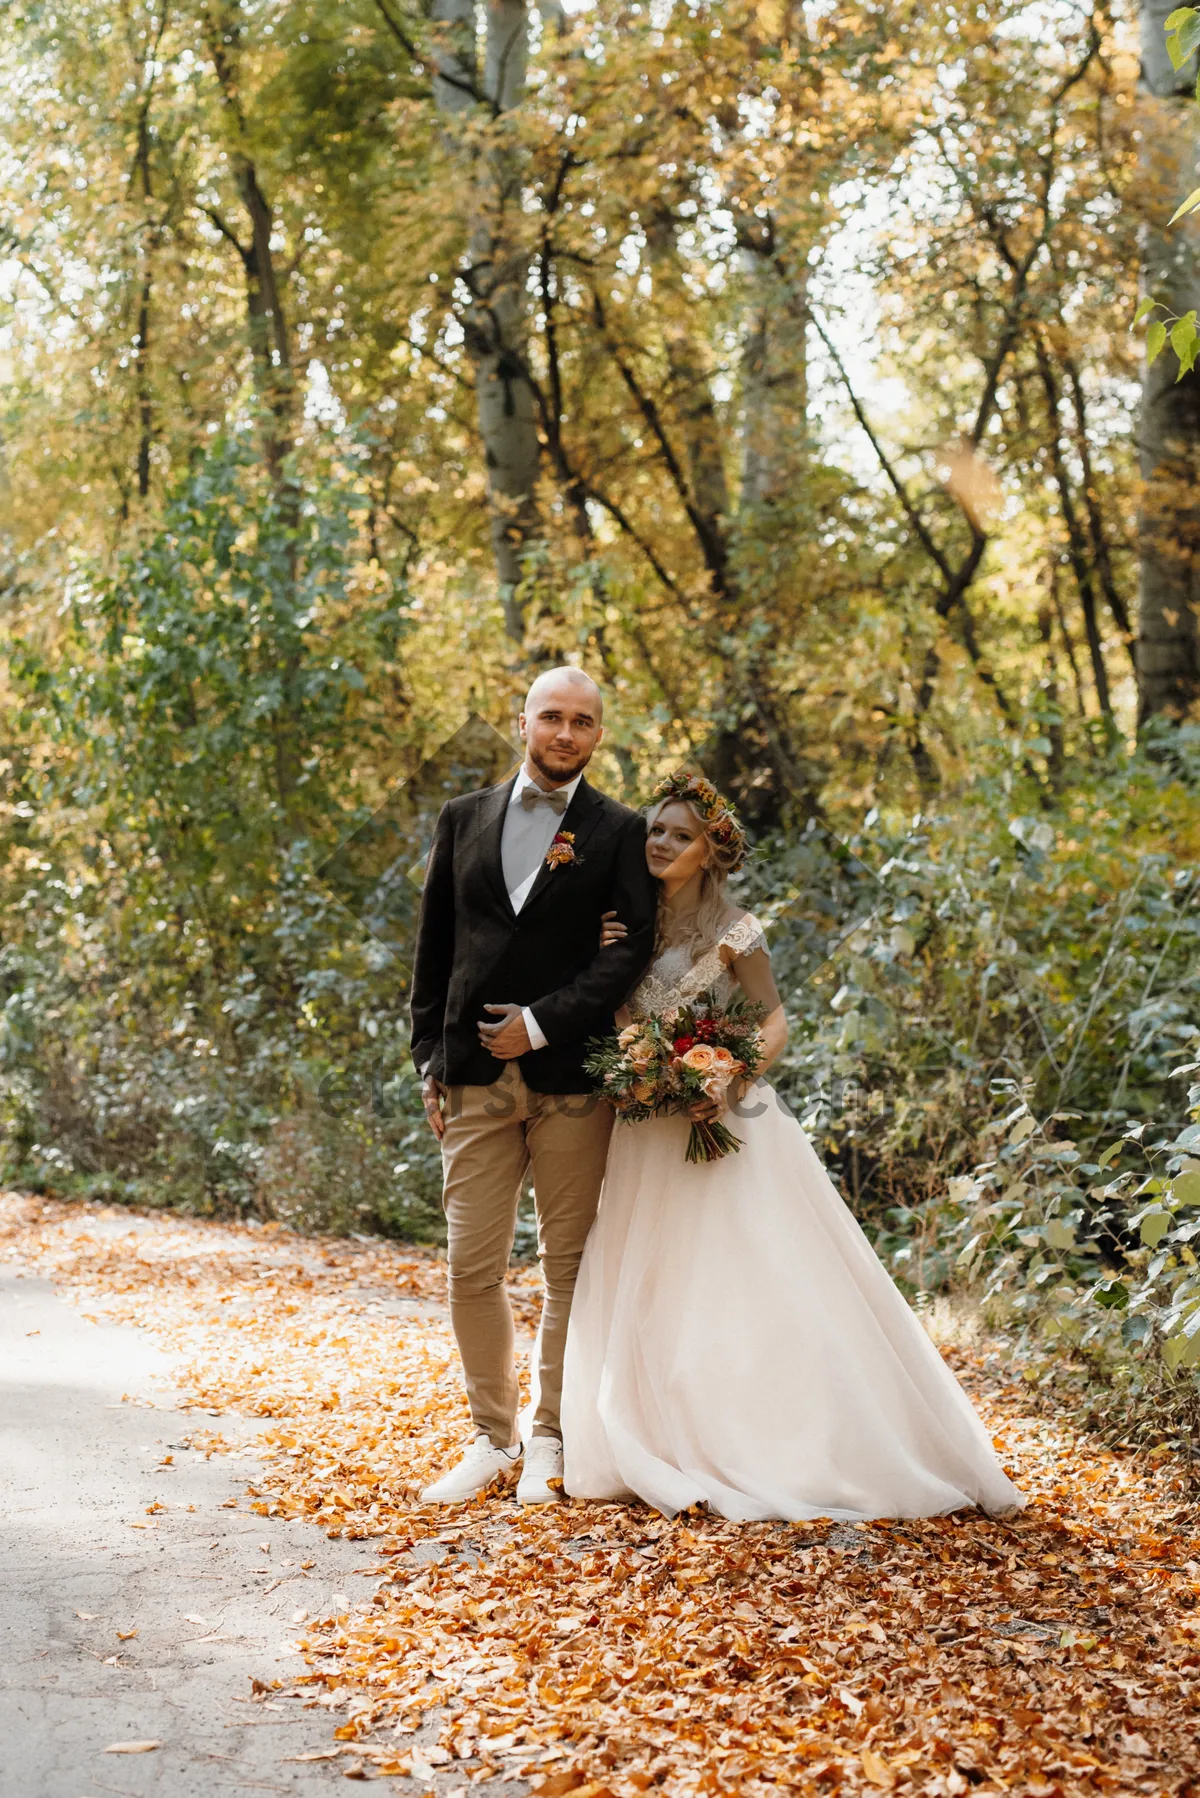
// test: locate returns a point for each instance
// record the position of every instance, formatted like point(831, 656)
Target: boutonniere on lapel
point(562, 849)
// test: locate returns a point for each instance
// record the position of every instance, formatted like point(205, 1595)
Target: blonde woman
point(734, 1340)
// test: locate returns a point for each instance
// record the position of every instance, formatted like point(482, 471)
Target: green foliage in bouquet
point(672, 1060)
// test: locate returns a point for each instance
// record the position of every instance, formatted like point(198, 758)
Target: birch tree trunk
point(496, 325)
point(1168, 653)
point(774, 369)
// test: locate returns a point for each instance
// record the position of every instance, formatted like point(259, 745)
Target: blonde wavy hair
point(703, 928)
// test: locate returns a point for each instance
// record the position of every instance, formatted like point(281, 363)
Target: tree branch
point(415, 53)
point(621, 518)
point(211, 213)
point(712, 547)
point(918, 524)
point(957, 580)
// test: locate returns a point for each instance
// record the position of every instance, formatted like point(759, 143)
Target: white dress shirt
point(525, 838)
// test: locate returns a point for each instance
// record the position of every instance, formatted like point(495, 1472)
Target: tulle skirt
point(735, 1340)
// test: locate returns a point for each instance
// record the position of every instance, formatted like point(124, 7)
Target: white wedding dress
point(734, 1340)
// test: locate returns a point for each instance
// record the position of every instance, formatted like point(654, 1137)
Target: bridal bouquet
point(668, 1061)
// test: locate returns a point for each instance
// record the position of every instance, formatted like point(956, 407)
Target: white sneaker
point(543, 1464)
point(482, 1464)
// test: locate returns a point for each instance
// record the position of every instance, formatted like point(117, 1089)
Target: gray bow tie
point(535, 796)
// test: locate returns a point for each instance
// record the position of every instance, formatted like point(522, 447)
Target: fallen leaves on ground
point(602, 1649)
point(131, 1748)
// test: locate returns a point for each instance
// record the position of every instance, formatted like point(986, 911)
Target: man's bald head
point(561, 724)
point(581, 686)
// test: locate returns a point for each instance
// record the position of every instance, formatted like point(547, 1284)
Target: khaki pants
point(493, 1134)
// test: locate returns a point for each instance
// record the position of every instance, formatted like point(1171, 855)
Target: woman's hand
point(611, 929)
point(706, 1111)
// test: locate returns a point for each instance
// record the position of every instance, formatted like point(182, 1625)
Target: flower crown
point(720, 819)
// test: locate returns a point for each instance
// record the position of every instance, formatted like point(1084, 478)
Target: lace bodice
point(673, 978)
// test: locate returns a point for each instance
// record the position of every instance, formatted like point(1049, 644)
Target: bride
point(733, 1339)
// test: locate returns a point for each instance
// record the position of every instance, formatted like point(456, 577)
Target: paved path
point(212, 1610)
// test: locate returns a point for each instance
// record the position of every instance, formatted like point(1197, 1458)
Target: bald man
point(508, 985)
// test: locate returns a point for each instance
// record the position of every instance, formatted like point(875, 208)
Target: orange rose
point(700, 1058)
point(643, 1091)
point(722, 1059)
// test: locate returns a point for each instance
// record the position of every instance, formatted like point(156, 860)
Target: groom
point(508, 984)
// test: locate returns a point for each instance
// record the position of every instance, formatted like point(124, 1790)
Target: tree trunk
point(269, 338)
point(1056, 760)
point(151, 235)
point(774, 371)
point(690, 390)
point(1097, 527)
point(1168, 653)
point(145, 398)
point(496, 324)
point(1076, 541)
point(274, 379)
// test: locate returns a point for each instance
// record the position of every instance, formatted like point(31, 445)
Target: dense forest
point(775, 363)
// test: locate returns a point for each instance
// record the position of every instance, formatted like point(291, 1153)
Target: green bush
point(181, 997)
point(1053, 954)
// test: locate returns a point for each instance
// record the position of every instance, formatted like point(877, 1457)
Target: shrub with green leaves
point(1055, 949)
point(176, 985)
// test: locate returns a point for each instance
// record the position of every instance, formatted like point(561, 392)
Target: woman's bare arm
point(754, 976)
point(752, 972)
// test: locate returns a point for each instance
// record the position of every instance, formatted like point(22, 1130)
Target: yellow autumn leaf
point(1188, 205)
point(876, 1769)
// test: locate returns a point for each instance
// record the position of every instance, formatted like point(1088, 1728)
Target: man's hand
point(432, 1093)
point(505, 1037)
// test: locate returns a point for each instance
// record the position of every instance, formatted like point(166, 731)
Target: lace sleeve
point(744, 936)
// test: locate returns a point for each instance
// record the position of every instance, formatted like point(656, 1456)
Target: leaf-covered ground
point(602, 1648)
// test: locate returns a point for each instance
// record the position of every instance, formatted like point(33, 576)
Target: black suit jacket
point(473, 949)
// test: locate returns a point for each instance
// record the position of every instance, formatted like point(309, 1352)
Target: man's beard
point(556, 775)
